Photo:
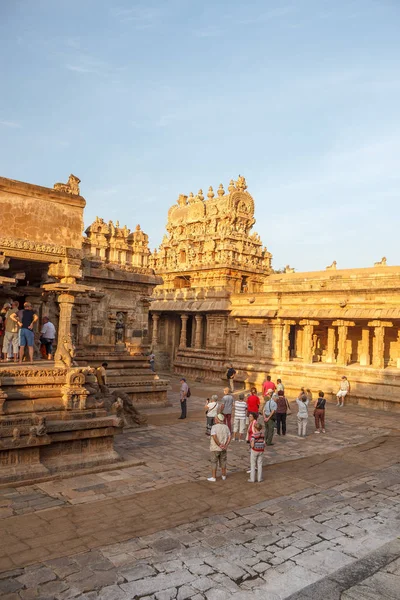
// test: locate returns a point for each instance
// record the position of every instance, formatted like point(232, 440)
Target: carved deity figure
point(120, 328)
point(241, 183)
point(41, 427)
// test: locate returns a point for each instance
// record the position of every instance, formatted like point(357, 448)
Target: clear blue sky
point(147, 100)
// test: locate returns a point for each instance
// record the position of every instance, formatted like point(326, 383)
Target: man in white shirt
point(344, 390)
point(47, 336)
point(219, 442)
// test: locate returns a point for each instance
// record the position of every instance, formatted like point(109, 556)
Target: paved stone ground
point(161, 531)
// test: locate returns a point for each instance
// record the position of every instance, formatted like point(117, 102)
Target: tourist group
point(253, 419)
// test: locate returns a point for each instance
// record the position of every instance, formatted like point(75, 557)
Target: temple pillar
point(182, 340)
point(199, 323)
point(286, 340)
point(343, 328)
point(398, 349)
point(308, 330)
point(330, 350)
point(154, 338)
point(378, 343)
point(66, 304)
point(277, 330)
point(365, 359)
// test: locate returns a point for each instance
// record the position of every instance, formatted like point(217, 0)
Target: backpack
point(189, 393)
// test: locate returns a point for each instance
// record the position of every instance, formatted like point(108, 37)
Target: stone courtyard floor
point(324, 523)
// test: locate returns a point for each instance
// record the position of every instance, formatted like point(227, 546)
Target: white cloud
point(11, 124)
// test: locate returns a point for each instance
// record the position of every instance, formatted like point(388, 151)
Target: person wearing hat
point(10, 340)
point(239, 423)
point(211, 412)
point(219, 442)
point(344, 390)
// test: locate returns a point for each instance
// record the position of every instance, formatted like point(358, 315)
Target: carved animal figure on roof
point(332, 266)
point(72, 187)
point(381, 263)
point(289, 269)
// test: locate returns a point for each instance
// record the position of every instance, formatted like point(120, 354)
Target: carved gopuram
point(221, 302)
point(96, 291)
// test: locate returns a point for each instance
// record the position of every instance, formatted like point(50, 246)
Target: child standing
point(257, 445)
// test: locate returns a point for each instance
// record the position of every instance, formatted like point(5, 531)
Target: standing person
point(302, 415)
point(253, 403)
point(10, 343)
point(219, 442)
point(268, 385)
point(269, 419)
point(239, 423)
point(28, 318)
point(3, 313)
point(211, 412)
point(250, 429)
point(151, 361)
point(230, 375)
point(226, 408)
point(47, 336)
point(319, 413)
point(183, 397)
point(279, 385)
point(344, 390)
point(281, 411)
point(257, 445)
point(308, 393)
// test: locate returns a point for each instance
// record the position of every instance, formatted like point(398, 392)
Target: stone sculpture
point(72, 187)
point(332, 266)
point(120, 328)
point(381, 263)
point(66, 352)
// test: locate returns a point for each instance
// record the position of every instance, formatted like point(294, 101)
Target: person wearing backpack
point(184, 395)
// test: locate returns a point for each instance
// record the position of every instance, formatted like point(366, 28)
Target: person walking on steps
point(230, 375)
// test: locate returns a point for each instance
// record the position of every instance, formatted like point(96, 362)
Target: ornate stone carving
point(65, 351)
point(72, 187)
point(31, 246)
point(332, 266)
point(381, 263)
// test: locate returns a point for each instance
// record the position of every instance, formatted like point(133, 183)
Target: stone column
point(330, 350)
point(199, 323)
point(398, 349)
point(343, 328)
point(286, 340)
point(154, 339)
point(66, 304)
point(308, 330)
point(365, 359)
point(182, 341)
point(378, 343)
point(277, 327)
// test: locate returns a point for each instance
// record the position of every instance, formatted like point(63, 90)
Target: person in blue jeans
point(27, 319)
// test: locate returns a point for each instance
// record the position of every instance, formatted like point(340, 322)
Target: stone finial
point(117, 224)
point(221, 191)
point(332, 266)
point(210, 194)
point(289, 269)
point(231, 186)
point(381, 263)
point(190, 198)
point(200, 195)
point(137, 228)
point(182, 200)
point(241, 184)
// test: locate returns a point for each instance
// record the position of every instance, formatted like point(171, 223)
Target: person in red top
point(253, 403)
point(268, 385)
